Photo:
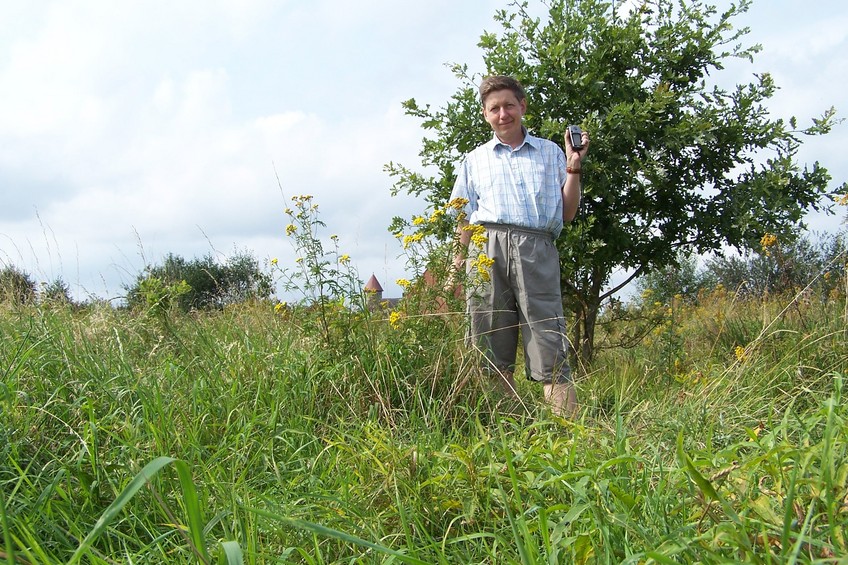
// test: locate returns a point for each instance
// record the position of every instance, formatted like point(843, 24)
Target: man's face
point(503, 111)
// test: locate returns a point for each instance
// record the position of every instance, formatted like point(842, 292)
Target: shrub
point(56, 292)
point(209, 284)
point(16, 287)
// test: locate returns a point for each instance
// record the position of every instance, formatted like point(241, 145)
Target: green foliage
point(682, 279)
point(239, 435)
point(159, 296)
point(326, 280)
point(676, 164)
point(200, 284)
point(16, 287)
point(321, 276)
point(784, 267)
point(793, 266)
point(56, 292)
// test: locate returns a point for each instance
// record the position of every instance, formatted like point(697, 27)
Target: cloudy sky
point(133, 129)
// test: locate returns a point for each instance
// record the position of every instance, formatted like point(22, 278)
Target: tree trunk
point(585, 307)
point(587, 347)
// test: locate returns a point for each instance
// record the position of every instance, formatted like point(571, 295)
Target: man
point(521, 189)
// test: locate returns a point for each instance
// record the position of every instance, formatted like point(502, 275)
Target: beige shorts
point(523, 294)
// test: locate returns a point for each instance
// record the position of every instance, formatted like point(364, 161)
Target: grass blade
point(148, 472)
point(230, 554)
point(193, 511)
point(710, 492)
point(320, 530)
point(7, 533)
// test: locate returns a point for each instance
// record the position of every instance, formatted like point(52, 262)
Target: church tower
point(373, 293)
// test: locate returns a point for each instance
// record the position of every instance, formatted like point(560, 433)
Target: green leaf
point(338, 535)
point(7, 532)
point(148, 472)
point(193, 510)
point(710, 492)
point(231, 554)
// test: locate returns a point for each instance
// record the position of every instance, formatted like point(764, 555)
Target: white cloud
point(139, 128)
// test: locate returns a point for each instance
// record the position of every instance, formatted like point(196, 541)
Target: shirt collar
point(529, 139)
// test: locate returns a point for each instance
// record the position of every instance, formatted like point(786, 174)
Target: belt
point(510, 228)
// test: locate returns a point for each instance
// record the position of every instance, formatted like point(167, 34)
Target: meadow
point(288, 434)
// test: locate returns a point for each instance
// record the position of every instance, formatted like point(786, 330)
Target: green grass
point(241, 436)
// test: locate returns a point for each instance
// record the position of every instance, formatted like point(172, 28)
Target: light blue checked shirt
point(521, 186)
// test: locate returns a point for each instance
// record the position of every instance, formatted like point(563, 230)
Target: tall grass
point(241, 436)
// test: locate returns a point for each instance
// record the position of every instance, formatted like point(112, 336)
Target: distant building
point(374, 295)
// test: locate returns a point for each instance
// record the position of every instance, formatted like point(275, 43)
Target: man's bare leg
point(562, 398)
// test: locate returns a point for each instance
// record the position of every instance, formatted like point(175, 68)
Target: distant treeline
point(811, 262)
point(188, 284)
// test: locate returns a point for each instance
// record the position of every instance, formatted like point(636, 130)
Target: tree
point(677, 163)
point(783, 267)
point(56, 292)
point(208, 284)
point(681, 280)
point(16, 287)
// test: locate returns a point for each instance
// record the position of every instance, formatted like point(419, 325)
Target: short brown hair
point(500, 82)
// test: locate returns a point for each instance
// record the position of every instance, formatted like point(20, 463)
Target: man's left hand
point(573, 156)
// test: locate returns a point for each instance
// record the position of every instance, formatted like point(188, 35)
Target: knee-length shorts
point(523, 297)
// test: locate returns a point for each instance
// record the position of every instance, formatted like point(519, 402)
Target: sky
point(134, 129)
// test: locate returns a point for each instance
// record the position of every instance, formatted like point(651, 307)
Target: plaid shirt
point(521, 186)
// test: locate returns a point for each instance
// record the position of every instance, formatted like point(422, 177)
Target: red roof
point(373, 285)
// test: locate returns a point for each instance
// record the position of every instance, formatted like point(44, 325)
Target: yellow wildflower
point(457, 203)
point(483, 264)
point(290, 229)
point(768, 240)
point(485, 261)
point(395, 319)
point(437, 213)
point(274, 261)
point(403, 283)
point(479, 239)
point(410, 239)
point(344, 259)
point(280, 306)
point(418, 220)
point(740, 353)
